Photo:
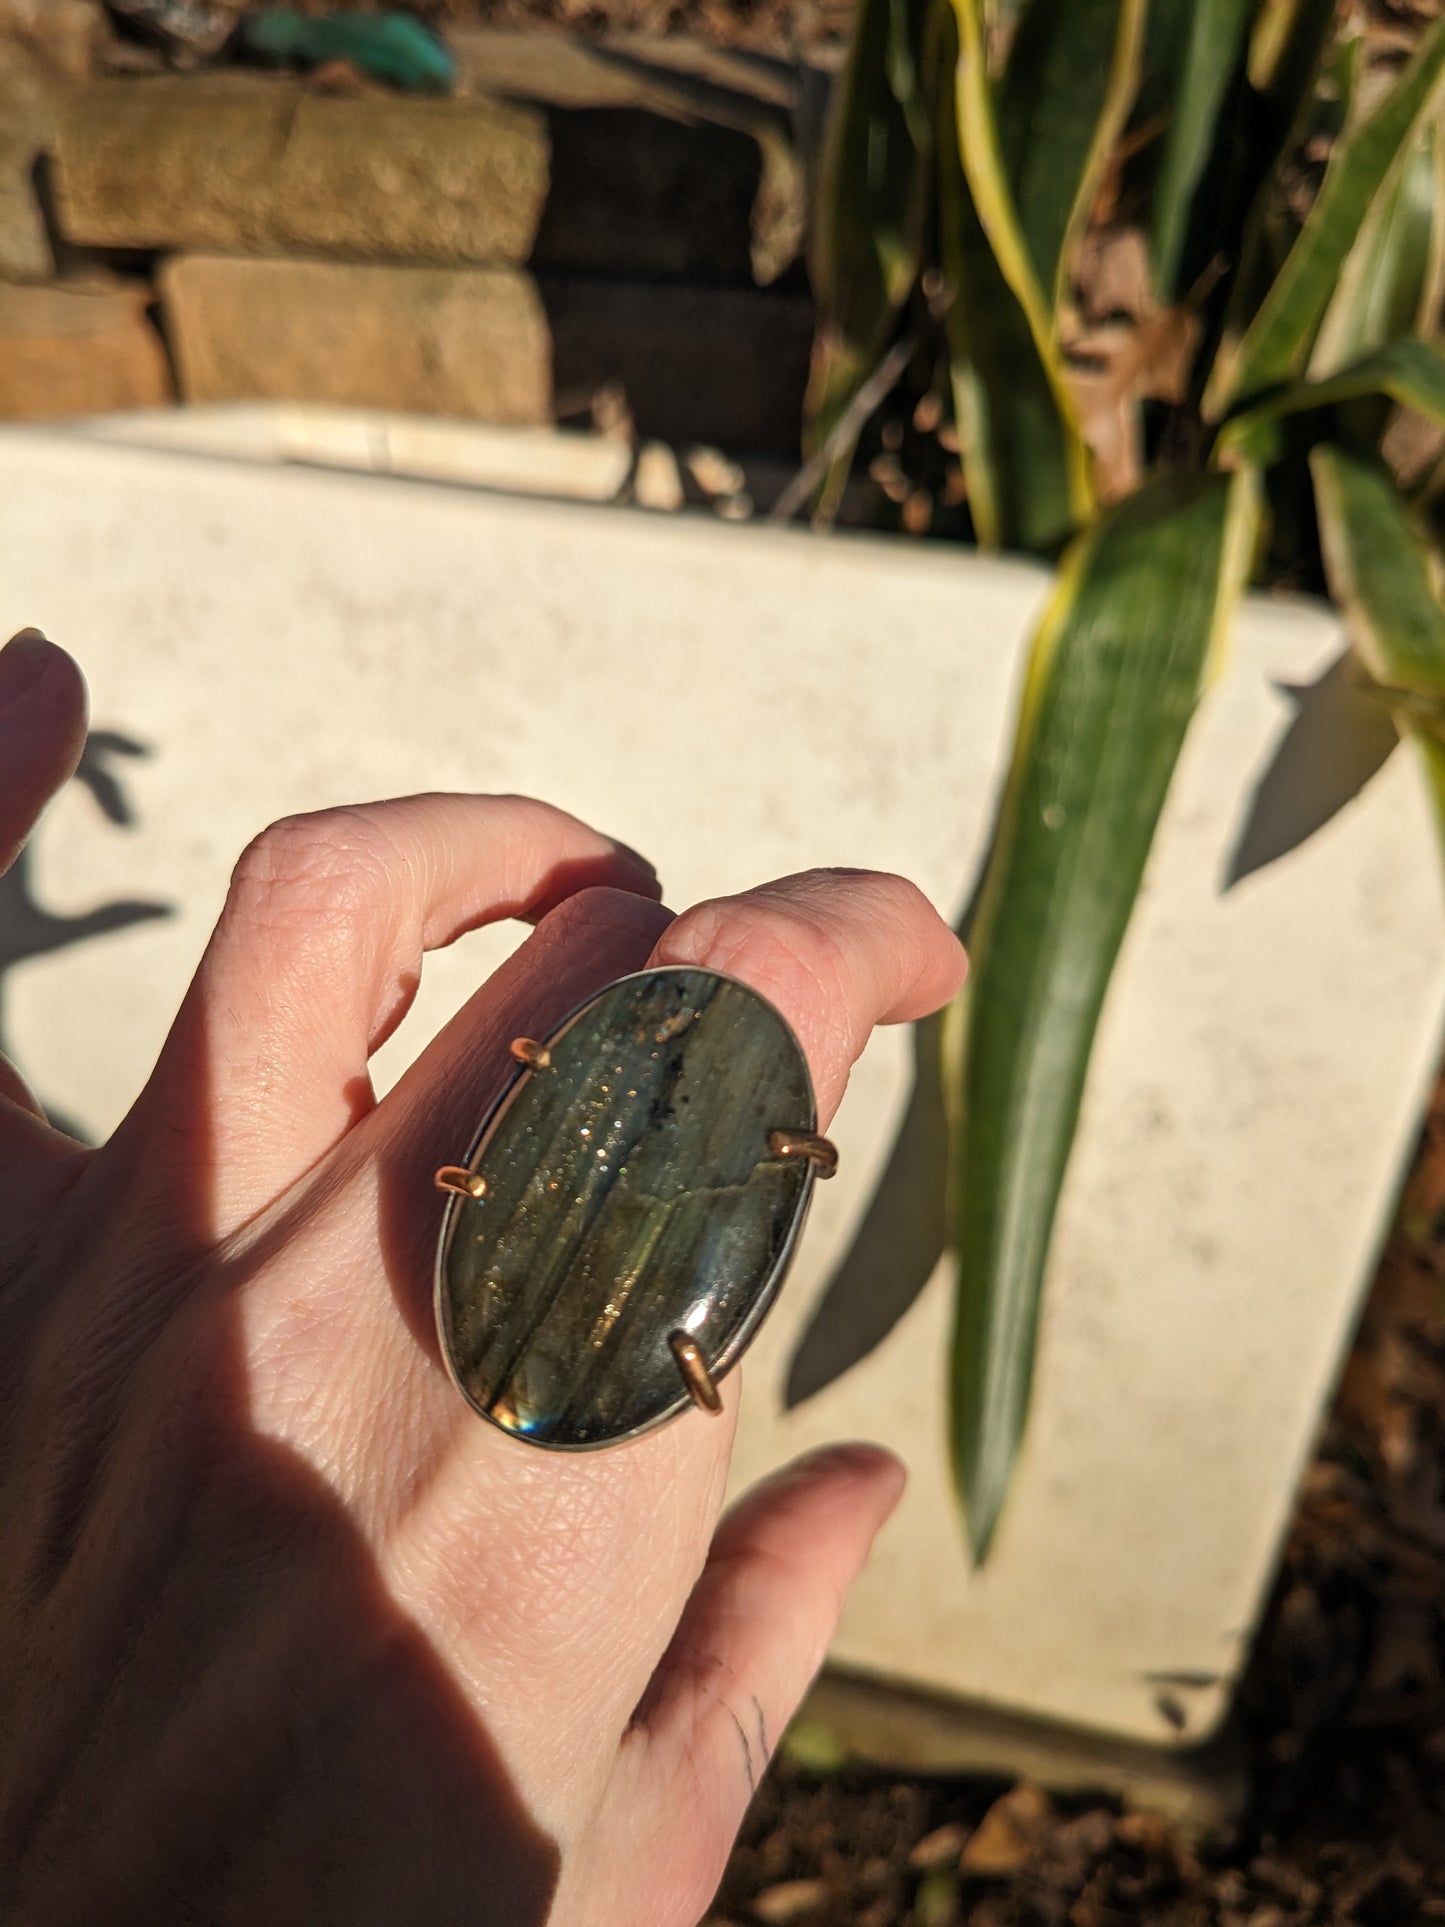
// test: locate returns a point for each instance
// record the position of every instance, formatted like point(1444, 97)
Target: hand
point(287, 1633)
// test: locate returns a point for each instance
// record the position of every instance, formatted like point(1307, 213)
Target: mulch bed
point(1342, 1712)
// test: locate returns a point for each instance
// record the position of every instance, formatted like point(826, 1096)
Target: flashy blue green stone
point(631, 1193)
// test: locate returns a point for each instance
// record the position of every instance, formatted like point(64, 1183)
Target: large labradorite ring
point(625, 1217)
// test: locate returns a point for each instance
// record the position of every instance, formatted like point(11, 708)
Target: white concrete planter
point(741, 703)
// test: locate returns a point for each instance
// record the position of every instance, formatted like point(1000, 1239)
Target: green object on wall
point(385, 46)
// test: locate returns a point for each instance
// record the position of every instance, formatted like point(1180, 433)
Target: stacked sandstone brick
point(573, 221)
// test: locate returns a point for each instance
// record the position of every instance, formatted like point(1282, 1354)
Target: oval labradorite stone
point(631, 1193)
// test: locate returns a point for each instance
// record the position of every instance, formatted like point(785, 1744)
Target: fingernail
point(634, 856)
point(23, 662)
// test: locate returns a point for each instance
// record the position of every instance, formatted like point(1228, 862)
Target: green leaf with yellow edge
point(1276, 345)
point(976, 127)
point(1286, 41)
point(1194, 48)
point(1139, 612)
point(1389, 284)
point(1385, 575)
point(1410, 373)
point(1289, 99)
point(1015, 447)
point(870, 211)
point(1062, 100)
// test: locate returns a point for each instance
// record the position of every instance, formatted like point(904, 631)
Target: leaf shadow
point(1340, 736)
point(904, 1231)
point(897, 1245)
point(27, 929)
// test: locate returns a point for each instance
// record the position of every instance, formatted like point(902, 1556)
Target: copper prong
point(528, 1051)
point(461, 1182)
point(695, 1375)
point(821, 1151)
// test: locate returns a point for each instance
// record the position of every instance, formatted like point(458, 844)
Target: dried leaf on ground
point(936, 1849)
point(1124, 349)
point(1008, 1832)
point(790, 1900)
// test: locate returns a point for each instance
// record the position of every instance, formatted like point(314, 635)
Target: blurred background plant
point(1149, 288)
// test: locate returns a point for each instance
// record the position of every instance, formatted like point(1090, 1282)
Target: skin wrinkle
point(562, 1572)
point(554, 1524)
point(147, 1572)
point(50, 1180)
point(74, 1470)
point(252, 1655)
point(304, 894)
point(72, 1366)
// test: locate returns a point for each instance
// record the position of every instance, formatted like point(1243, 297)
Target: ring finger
point(463, 1513)
point(836, 952)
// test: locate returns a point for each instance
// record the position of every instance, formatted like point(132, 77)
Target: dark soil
point(1342, 1713)
point(780, 27)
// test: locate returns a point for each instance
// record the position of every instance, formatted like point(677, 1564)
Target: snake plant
point(1178, 265)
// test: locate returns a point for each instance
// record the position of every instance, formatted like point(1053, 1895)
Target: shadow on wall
point(1338, 736)
point(27, 929)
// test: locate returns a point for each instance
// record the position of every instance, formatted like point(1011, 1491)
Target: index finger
point(42, 732)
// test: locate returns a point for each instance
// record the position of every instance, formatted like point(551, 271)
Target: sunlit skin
point(287, 1633)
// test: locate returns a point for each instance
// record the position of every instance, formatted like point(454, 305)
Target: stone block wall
point(575, 221)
